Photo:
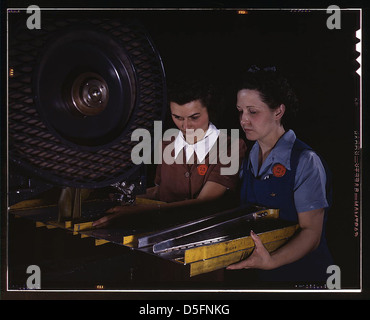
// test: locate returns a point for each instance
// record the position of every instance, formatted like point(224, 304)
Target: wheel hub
point(89, 94)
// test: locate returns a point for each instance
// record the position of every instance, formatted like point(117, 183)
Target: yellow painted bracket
point(215, 256)
point(82, 226)
point(267, 214)
point(209, 265)
point(129, 239)
point(99, 242)
point(132, 240)
point(214, 250)
point(54, 224)
point(223, 261)
point(40, 224)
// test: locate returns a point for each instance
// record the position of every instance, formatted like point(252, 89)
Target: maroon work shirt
point(185, 181)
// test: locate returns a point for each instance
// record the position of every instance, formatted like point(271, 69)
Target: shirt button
point(187, 174)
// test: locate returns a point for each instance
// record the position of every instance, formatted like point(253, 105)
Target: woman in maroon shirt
point(195, 169)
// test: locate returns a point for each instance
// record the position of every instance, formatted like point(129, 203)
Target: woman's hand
point(303, 242)
point(119, 215)
point(112, 215)
point(259, 259)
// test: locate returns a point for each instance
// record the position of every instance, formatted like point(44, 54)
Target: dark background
point(321, 66)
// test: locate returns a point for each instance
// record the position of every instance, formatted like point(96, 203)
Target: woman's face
point(256, 118)
point(189, 117)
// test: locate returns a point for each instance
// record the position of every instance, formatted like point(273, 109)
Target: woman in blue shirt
point(282, 172)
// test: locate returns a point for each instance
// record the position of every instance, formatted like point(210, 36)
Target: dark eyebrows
point(194, 114)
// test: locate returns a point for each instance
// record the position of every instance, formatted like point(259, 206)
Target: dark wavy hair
point(184, 90)
point(273, 88)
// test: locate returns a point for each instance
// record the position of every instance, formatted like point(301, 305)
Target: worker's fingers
point(240, 265)
point(101, 222)
point(257, 241)
point(249, 262)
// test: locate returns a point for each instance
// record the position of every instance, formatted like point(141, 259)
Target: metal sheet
point(220, 228)
point(197, 225)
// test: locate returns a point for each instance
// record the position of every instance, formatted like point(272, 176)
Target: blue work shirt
point(293, 180)
point(310, 179)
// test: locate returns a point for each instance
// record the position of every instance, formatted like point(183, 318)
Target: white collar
point(201, 148)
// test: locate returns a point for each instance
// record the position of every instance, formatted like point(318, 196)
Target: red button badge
point(202, 169)
point(278, 170)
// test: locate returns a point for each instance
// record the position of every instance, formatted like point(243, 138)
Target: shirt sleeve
point(310, 181)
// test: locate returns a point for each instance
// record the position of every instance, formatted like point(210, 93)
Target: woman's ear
point(279, 112)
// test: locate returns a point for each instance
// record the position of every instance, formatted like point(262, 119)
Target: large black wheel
point(77, 91)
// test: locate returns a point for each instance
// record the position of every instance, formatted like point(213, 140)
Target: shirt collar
point(279, 154)
point(201, 148)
